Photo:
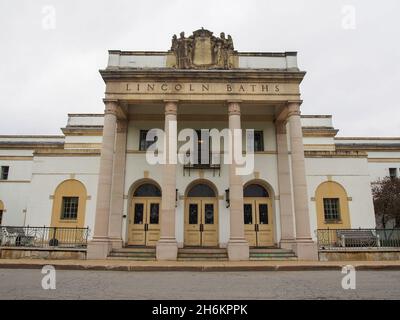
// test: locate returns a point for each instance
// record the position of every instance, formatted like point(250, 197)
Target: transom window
point(255, 190)
point(143, 143)
point(331, 209)
point(4, 172)
point(147, 190)
point(69, 208)
point(201, 190)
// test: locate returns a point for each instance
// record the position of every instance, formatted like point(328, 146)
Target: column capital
point(280, 126)
point(234, 107)
point(293, 108)
point(171, 107)
point(122, 125)
point(111, 106)
point(296, 102)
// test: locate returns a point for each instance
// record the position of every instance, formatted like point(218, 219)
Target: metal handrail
point(357, 238)
point(44, 237)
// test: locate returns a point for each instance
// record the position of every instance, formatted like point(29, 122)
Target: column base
point(306, 249)
point(116, 243)
point(238, 250)
point(167, 249)
point(288, 244)
point(98, 249)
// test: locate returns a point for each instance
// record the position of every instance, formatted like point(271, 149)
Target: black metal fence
point(357, 238)
point(43, 237)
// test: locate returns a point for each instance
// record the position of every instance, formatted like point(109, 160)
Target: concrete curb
point(200, 268)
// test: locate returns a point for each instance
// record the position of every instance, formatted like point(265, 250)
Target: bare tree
point(386, 195)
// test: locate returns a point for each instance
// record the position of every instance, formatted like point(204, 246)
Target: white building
point(96, 174)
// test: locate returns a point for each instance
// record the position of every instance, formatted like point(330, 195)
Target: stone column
point(99, 247)
point(118, 184)
point(238, 248)
point(285, 188)
point(167, 247)
point(305, 248)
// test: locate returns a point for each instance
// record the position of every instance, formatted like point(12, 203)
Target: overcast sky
point(48, 70)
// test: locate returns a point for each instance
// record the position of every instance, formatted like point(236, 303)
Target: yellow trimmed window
point(69, 207)
point(332, 210)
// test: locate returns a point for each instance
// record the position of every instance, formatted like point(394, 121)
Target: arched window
point(69, 204)
point(147, 190)
point(332, 206)
point(201, 190)
point(255, 190)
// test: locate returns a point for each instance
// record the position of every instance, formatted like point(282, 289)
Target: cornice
point(335, 154)
point(31, 136)
point(367, 138)
point(83, 131)
point(67, 153)
point(369, 146)
point(201, 75)
point(29, 145)
point(16, 158)
point(244, 53)
point(319, 132)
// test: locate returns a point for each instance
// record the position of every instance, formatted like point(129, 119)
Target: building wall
point(265, 170)
point(14, 192)
point(380, 162)
point(48, 173)
point(33, 179)
point(353, 175)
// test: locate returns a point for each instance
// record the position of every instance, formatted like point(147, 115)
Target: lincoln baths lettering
point(177, 87)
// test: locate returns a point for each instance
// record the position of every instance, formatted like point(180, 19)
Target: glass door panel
point(137, 223)
point(249, 222)
point(209, 234)
point(153, 222)
point(265, 235)
point(192, 236)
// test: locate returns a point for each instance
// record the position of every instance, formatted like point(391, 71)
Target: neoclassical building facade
point(97, 173)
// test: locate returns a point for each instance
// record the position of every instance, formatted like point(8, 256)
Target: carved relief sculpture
point(202, 50)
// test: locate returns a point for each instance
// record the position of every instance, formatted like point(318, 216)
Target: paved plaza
point(91, 284)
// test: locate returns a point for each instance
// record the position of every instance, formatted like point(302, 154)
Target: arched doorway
point(201, 215)
point(257, 213)
point(144, 217)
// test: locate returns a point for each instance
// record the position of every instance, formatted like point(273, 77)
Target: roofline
point(306, 116)
point(367, 138)
point(139, 52)
point(85, 114)
point(244, 53)
point(268, 54)
point(31, 136)
point(173, 74)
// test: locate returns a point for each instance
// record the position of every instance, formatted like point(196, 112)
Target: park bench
point(358, 238)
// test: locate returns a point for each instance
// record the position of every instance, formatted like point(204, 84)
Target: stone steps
point(133, 253)
point(271, 254)
point(132, 258)
point(202, 254)
point(202, 250)
point(136, 249)
point(273, 258)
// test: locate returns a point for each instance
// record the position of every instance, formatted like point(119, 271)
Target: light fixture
point(227, 198)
